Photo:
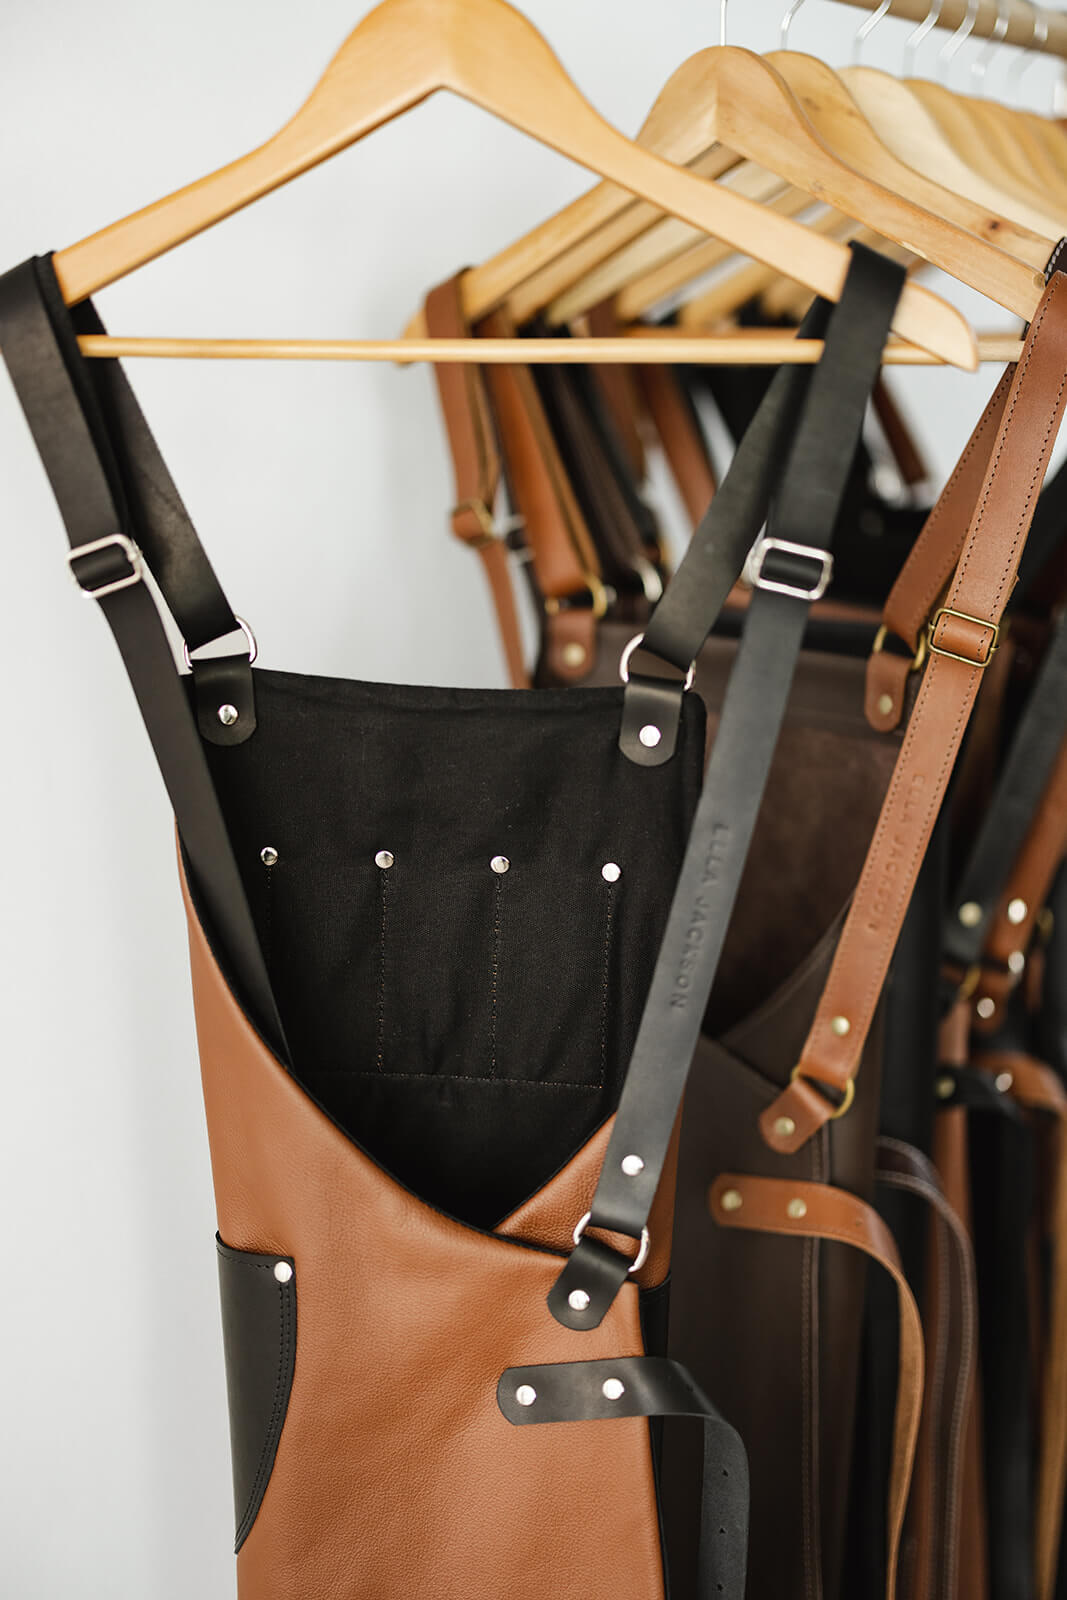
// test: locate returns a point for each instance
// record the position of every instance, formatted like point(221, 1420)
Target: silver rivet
point(611, 872)
point(269, 856)
point(784, 1127)
point(526, 1394)
point(885, 704)
point(384, 858)
point(945, 1087)
point(986, 1007)
point(731, 1200)
point(1003, 1081)
point(796, 1209)
point(1017, 910)
point(573, 654)
point(228, 715)
point(840, 1026)
point(650, 736)
point(578, 1300)
point(1016, 963)
point(632, 1165)
point(970, 913)
point(283, 1271)
point(500, 863)
point(612, 1389)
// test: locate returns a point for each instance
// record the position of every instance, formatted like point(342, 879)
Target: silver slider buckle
point(119, 542)
point(757, 556)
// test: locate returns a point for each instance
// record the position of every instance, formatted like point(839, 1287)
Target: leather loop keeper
point(820, 1211)
point(476, 467)
point(983, 581)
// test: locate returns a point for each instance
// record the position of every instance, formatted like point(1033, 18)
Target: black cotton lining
point(469, 1028)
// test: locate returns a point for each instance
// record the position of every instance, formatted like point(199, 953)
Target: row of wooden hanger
point(735, 150)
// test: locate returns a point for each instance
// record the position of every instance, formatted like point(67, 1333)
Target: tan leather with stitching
point(680, 438)
point(1031, 878)
point(396, 1473)
point(834, 1214)
point(1037, 1087)
point(980, 588)
point(619, 389)
point(476, 467)
point(559, 542)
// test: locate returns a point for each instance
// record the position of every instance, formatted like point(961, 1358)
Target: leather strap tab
point(982, 582)
point(673, 415)
point(650, 1386)
point(475, 465)
point(820, 1211)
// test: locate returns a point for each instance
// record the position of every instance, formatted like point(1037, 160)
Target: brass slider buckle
point(848, 1093)
point(962, 616)
point(117, 541)
point(484, 518)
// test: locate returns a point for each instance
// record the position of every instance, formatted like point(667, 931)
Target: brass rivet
point(986, 1007)
point(885, 704)
point(1016, 963)
point(573, 654)
point(731, 1200)
point(945, 1087)
point(784, 1127)
point(841, 1026)
point(797, 1209)
point(970, 913)
point(228, 715)
point(269, 856)
point(1017, 910)
point(1003, 1081)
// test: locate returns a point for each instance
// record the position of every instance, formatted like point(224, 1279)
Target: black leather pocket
point(258, 1294)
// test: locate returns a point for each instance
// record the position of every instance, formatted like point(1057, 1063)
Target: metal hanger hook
point(865, 29)
point(980, 64)
point(1025, 57)
point(787, 23)
point(949, 51)
point(917, 35)
point(722, 21)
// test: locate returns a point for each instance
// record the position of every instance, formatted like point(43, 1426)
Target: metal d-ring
point(642, 1254)
point(253, 647)
point(634, 644)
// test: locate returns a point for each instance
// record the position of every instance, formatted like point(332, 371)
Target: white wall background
point(320, 494)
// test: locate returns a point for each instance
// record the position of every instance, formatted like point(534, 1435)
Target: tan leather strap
point(819, 1211)
point(1037, 1087)
point(962, 639)
point(1011, 930)
point(929, 567)
point(899, 437)
point(476, 467)
point(678, 433)
point(563, 558)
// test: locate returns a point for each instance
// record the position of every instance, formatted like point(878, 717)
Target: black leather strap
point(804, 514)
point(650, 1386)
point(1015, 802)
point(75, 446)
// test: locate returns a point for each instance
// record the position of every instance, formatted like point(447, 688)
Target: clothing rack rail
point(1020, 17)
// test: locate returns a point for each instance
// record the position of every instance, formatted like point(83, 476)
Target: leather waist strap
point(820, 1211)
point(963, 636)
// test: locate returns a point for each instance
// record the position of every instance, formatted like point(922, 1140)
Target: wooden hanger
point(838, 120)
point(966, 130)
point(735, 98)
point(907, 127)
point(485, 51)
